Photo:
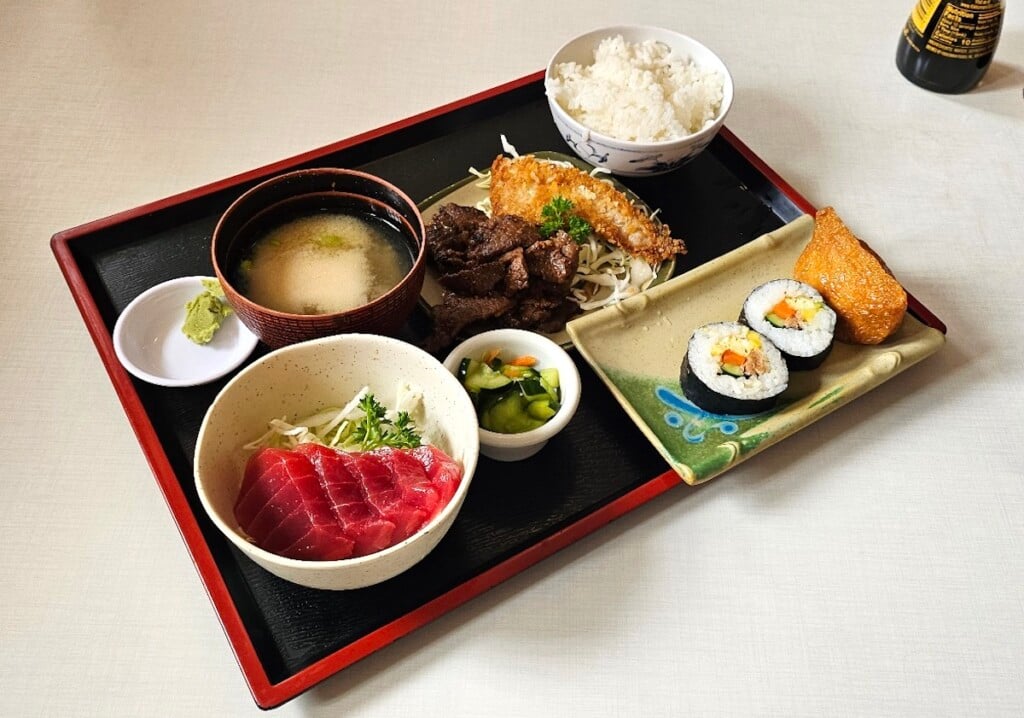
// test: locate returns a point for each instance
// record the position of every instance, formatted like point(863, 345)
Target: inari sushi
point(795, 317)
point(731, 369)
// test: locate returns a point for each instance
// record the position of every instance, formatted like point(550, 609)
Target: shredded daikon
point(335, 427)
point(508, 147)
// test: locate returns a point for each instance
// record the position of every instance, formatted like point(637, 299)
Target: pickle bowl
point(508, 344)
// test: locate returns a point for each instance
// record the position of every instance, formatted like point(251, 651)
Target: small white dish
point(149, 342)
point(519, 342)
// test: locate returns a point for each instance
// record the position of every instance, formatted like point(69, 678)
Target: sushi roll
point(795, 317)
point(731, 369)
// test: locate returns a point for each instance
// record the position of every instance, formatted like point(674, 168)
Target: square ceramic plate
point(471, 191)
point(637, 348)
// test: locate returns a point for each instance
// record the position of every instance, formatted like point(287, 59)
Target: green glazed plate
point(637, 347)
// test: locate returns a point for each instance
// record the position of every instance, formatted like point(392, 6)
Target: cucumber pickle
point(510, 398)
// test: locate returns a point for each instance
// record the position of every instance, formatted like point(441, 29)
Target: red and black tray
point(288, 638)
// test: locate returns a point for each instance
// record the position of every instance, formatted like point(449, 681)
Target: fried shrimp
point(523, 185)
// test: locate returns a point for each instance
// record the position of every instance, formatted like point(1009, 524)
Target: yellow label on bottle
point(922, 14)
point(966, 29)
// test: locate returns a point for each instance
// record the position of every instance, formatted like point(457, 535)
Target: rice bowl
point(639, 92)
point(672, 86)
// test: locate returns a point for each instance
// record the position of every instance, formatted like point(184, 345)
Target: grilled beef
point(497, 272)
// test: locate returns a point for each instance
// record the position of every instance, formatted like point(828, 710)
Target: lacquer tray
point(287, 638)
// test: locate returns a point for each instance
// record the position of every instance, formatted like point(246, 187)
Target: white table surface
point(871, 565)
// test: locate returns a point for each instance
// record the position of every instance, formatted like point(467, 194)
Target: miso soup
point(325, 263)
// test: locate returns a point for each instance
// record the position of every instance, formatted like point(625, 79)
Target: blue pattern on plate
point(694, 421)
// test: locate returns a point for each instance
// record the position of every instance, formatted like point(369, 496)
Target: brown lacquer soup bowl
point(300, 256)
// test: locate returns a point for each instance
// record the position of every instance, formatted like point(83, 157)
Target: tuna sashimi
point(411, 476)
point(282, 507)
point(444, 472)
point(346, 493)
point(318, 503)
point(387, 495)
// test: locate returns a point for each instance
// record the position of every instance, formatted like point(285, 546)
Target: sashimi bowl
point(321, 529)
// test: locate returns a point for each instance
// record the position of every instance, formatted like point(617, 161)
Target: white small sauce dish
point(149, 342)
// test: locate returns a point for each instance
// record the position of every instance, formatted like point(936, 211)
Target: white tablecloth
point(870, 565)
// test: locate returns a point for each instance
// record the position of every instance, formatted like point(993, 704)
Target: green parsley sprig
point(558, 215)
point(375, 430)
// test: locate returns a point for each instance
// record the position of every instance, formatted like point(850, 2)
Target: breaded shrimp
point(523, 185)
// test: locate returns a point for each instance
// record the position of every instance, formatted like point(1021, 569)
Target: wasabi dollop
point(205, 312)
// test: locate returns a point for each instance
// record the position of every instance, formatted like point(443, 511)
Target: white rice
point(638, 92)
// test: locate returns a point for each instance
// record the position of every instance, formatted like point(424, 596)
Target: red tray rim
point(265, 693)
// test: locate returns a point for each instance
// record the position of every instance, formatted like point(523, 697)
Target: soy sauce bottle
point(947, 45)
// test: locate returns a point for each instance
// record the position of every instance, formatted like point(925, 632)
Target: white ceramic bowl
point(301, 379)
point(149, 342)
point(623, 157)
point(513, 343)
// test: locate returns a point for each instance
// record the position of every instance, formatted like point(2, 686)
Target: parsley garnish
point(558, 215)
point(375, 430)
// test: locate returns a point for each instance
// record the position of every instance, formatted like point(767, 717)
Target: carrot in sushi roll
point(795, 317)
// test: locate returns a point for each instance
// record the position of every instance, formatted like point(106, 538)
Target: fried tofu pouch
point(869, 302)
point(523, 185)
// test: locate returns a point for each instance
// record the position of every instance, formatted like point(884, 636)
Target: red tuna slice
point(318, 503)
point(283, 508)
point(267, 497)
point(385, 493)
point(359, 519)
point(443, 470)
point(410, 474)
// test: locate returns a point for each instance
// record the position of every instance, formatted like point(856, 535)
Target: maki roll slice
point(795, 317)
point(731, 369)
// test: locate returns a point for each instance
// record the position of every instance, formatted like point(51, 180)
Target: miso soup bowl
point(307, 192)
point(301, 379)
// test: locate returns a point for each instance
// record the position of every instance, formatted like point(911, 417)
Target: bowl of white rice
point(637, 100)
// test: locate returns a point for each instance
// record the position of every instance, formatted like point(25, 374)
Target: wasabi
point(205, 313)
